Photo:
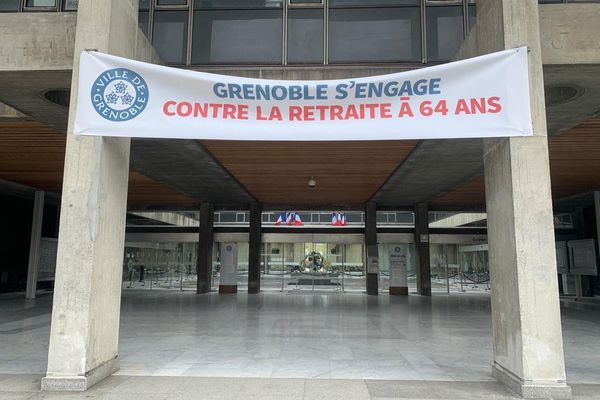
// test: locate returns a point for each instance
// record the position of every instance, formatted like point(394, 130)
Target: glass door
point(314, 267)
point(354, 274)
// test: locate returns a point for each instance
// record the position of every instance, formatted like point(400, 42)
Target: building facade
point(504, 216)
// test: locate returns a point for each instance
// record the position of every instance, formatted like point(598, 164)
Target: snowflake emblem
point(121, 88)
point(116, 92)
point(127, 99)
point(112, 98)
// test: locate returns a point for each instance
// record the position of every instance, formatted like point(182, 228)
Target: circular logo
point(397, 249)
point(119, 94)
point(229, 248)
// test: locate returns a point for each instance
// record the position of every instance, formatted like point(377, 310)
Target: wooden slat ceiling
point(32, 154)
point(347, 173)
point(277, 173)
point(574, 168)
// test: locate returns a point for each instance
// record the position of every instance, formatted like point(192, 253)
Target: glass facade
point(296, 32)
point(310, 266)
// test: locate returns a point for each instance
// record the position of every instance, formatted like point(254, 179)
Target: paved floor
point(21, 387)
point(299, 335)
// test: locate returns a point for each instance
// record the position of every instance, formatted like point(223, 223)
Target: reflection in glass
point(378, 34)
point(40, 3)
point(169, 35)
point(472, 15)
point(9, 5)
point(237, 4)
point(171, 2)
point(372, 3)
point(143, 21)
point(444, 32)
point(70, 5)
point(305, 36)
point(235, 36)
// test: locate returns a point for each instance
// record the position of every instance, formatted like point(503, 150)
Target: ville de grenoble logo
point(119, 94)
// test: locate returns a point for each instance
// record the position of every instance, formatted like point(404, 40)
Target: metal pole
point(35, 244)
point(343, 266)
point(283, 268)
point(447, 277)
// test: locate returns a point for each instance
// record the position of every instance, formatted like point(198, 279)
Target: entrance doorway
point(313, 262)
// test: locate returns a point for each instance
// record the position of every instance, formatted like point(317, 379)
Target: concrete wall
point(37, 53)
point(37, 41)
point(570, 33)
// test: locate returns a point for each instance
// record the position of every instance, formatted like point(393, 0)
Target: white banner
point(486, 96)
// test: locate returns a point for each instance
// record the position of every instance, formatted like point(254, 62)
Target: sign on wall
point(486, 96)
point(398, 266)
point(582, 257)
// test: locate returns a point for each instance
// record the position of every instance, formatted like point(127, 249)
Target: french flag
point(282, 217)
point(338, 219)
point(297, 220)
point(343, 219)
point(289, 219)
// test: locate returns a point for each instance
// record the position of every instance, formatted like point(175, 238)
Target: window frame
point(56, 8)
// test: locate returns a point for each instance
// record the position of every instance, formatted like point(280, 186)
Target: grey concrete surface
point(84, 333)
point(569, 33)
point(528, 349)
point(433, 168)
point(188, 167)
point(22, 387)
point(298, 335)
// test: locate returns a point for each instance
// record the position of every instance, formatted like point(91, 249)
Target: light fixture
point(312, 183)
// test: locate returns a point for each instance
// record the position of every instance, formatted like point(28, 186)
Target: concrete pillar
point(372, 249)
point(204, 264)
point(85, 316)
point(528, 348)
point(255, 244)
point(422, 249)
point(34, 245)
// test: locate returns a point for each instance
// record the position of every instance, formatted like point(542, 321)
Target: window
point(171, 2)
point(237, 4)
point(41, 3)
point(169, 35)
point(472, 10)
point(144, 17)
point(305, 2)
point(444, 32)
point(281, 32)
point(305, 36)
point(224, 36)
point(372, 3)
point(70, 5)
point(9, 5)
point(374, 34)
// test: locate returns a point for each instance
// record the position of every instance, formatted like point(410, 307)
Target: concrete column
point(34, 245)
point(205, 249)
point(255, 244)
point(422, 249)
point(85, 316)
point(528, 349)
point(372, 249)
